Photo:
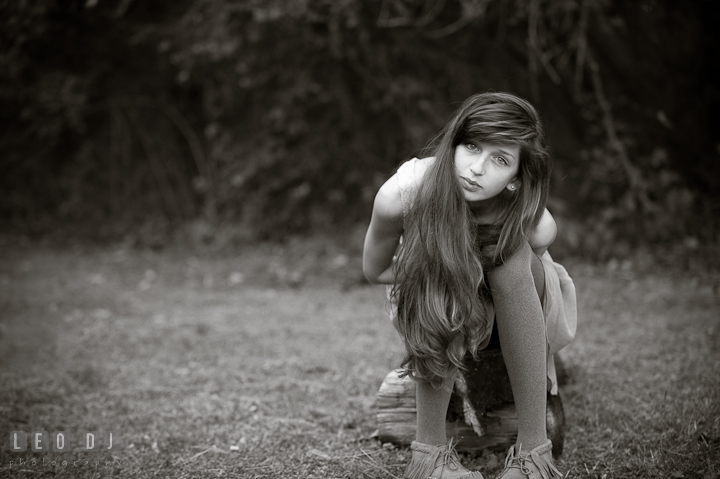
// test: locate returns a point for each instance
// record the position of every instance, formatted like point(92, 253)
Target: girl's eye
point(472, 147)
point(501, 160)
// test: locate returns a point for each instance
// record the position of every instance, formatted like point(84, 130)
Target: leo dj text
point(64, 441)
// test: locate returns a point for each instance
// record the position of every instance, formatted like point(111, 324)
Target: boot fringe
point(545, 465)
point(422, 468)
point(540, 457)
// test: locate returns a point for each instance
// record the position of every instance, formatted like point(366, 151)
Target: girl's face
point(486, 169)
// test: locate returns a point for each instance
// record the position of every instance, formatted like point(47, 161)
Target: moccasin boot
point(436, 462)
point(536, 464)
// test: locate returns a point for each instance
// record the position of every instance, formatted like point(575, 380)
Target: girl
point(461, 236)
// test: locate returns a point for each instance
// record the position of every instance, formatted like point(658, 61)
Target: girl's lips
point(471, 184)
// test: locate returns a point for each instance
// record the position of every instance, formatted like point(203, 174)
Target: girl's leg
point(521, 328)
point(432, 456)
point(432, 405)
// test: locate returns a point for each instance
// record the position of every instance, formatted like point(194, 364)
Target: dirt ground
point(266, 363)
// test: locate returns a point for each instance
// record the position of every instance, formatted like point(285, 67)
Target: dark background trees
point(285, 117)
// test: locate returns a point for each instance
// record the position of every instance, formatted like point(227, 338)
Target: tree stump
point(481, 414)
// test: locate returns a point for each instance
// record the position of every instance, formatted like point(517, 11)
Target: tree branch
point(581, 46)
point(475, 11)
point(123, 8)
point(533, 38)
point(431, 9)
point(202, 163)
point(638, 187)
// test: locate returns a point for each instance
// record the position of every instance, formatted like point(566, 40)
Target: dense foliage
point(286, 116)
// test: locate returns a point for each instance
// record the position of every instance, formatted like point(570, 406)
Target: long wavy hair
point(441, 290)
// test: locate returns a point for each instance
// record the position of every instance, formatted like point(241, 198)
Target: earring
point(512, 187)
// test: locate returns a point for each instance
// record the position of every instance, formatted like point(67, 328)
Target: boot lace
point(450, 457)
point(517, 461)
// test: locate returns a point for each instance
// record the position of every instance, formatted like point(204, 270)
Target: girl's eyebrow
point(506, 153)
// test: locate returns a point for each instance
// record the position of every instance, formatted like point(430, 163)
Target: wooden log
point(481, 414)
point(397, 418)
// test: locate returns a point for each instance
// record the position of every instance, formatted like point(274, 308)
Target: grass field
point(265, 363)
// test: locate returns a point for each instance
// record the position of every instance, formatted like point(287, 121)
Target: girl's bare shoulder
point(389, 199)
point(544, 233)
point(388, 203)
point(411, 174)
point(420, 167)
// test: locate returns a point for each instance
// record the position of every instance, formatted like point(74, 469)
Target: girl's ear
point(514, 185)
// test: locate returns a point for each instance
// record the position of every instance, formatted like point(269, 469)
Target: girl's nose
point(478, 168)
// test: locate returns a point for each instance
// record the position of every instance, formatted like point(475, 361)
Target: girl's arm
point(383, 235)
point(544, 234)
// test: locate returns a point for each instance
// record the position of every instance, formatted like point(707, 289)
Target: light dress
point(559, 303)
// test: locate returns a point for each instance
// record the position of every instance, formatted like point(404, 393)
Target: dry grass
point(280, 351)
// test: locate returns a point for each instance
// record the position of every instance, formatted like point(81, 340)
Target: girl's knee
point(519, 270)
point(517, 265)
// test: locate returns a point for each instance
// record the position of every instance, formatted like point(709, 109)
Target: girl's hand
point(383, 235)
